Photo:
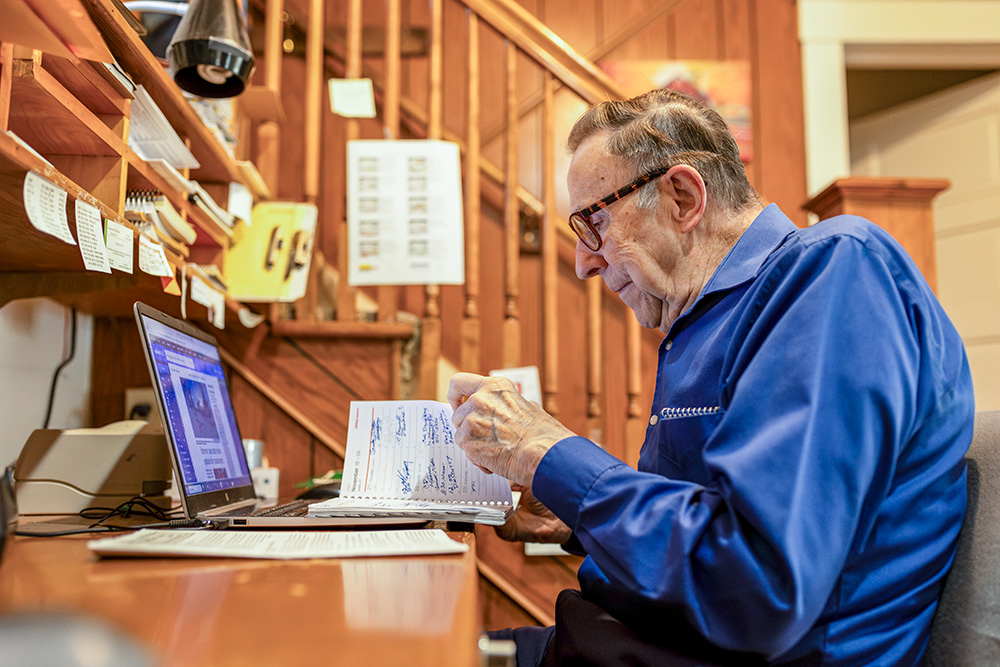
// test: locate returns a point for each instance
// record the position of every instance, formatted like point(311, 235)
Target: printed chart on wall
point(404, 213)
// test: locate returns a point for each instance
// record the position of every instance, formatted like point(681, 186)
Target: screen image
point(197, 411)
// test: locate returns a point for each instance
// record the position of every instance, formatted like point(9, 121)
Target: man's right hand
point(533, 522)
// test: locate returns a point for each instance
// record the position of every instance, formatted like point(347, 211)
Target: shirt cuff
point(566, 474)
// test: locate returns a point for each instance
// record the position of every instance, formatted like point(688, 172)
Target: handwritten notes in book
point(407, 450)
point(402, 459)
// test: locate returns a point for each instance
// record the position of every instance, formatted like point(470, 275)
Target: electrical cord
point(55, 375)
point(125, 510)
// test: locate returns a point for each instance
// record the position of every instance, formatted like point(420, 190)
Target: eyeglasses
point(580, 220)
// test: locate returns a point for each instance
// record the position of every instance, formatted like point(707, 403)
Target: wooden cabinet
point(69, 122)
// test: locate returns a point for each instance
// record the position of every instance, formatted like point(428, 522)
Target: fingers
point(462, 386)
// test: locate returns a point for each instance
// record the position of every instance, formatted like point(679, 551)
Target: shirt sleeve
point(817, 395)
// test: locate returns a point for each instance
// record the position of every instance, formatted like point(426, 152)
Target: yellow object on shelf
point(269, 258)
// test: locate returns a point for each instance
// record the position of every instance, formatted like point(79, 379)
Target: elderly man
point(801, 485)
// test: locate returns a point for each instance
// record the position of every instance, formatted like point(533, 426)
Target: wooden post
point(470, 359)
point(902, 206)
point(269, 131)
point(512, 219)
point(352, 132)
point(430, 334)
point(388, 295)
point(550, 255)
point(595, 359)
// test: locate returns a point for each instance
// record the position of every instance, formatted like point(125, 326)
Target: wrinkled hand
point(533, 522)
point(498, 429)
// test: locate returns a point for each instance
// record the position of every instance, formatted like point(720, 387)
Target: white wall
point(836, 34)
point(953, 133)
point(34, 339)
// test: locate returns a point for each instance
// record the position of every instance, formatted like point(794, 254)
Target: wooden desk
point(355, 611)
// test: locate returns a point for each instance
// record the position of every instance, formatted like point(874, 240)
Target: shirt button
point(669, 345)
point(653, 420)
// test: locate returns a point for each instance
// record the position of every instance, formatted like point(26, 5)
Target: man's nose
point(588, 262)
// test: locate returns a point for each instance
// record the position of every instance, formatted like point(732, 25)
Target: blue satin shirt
point(802, 481)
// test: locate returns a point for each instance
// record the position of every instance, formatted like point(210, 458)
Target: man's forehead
point(592, 168)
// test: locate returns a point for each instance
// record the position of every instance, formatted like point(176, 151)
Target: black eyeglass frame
point(579, 221)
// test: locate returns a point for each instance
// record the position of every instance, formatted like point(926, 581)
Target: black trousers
point(587, 636)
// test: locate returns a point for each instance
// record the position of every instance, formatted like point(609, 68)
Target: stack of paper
point(279, 544)
point(207, 204)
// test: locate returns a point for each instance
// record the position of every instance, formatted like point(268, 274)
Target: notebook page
point(406, 450)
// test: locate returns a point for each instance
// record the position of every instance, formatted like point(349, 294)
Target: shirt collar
point(765, 234)
point(743, 261)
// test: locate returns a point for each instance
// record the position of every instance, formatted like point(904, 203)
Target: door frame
point(837, 34)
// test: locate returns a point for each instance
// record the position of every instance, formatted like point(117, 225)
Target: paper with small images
point(404, 213)
point(45, 204)
point(88, 230)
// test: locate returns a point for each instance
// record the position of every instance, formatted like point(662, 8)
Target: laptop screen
point(196, 410)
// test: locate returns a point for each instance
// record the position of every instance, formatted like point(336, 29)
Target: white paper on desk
point(121, 249)
point(45, 204)
point(352, 98)
point(404, 213)
point(278, 544)
point(88, 230)
point(152, 259)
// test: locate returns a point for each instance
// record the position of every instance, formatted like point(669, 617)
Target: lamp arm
point(158, 6)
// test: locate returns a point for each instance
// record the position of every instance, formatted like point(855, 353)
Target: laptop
point(211, 472)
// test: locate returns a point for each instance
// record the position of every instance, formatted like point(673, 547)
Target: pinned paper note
point(45, 204)
point(88, 230)
point(121, 249)
point(212, 299)
point(352, 98)
point(404, 213)
point(152, 259)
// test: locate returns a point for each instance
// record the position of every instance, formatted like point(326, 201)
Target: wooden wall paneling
point(573, 351)
point(292, 173)
point(116, 343)
point(287, 445)
point(498, 610)
point(695, 34)
point(491, 288)
point(736, 43)
point(781, 125)
point(455, 76)
point(615, 360)
point(579, 24)
point(540, 578)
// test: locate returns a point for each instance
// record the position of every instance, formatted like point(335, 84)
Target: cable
point(55, 375)
point(176, 523)
point(125, 510)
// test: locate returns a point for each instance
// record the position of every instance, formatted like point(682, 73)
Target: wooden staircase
point(503, 86)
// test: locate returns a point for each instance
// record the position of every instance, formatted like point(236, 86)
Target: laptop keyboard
point(294, 508)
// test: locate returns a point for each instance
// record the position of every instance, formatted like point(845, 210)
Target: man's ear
point(687, 196)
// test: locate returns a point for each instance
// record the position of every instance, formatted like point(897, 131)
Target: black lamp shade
point(210, 52)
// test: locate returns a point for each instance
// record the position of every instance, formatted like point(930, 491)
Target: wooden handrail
point(530, 35)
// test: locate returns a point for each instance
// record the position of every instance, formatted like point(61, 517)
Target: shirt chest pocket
point(675, 440)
